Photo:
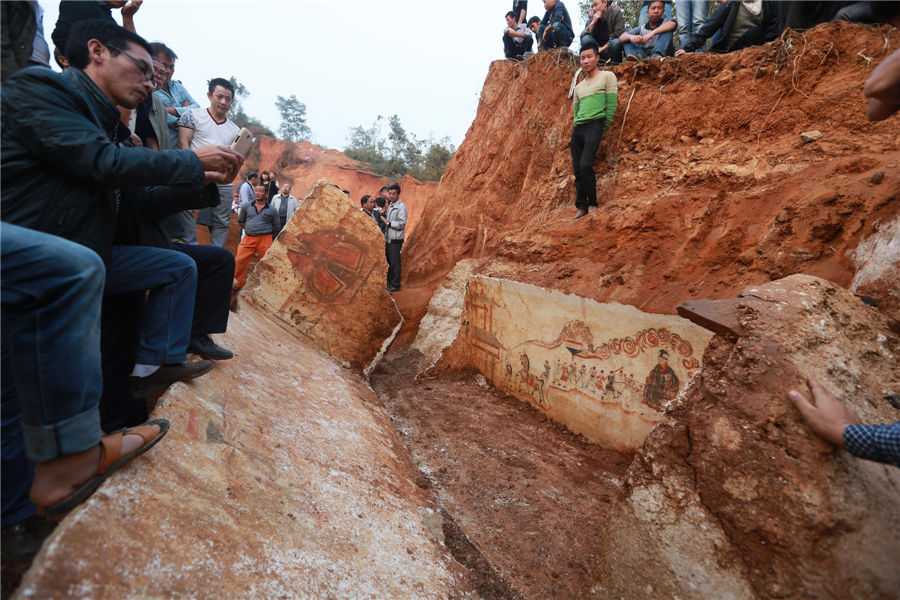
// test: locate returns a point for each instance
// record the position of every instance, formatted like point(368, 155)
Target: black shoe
point(166, 375)
point(580, 213)
point(22, 541)
point(205, 347)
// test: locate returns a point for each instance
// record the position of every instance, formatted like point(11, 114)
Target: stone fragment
point(811, 136)
point(440, 325)
point(324, 279)
point(877, 261)
point(718, 316)
point(606, 371)
point(877, 177)
point(281, 477)
point(732, 494)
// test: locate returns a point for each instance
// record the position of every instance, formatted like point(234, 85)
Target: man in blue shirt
point(174, 95)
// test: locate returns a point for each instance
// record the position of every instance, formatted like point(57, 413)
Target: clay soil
point(704, 181)
point(524, 500)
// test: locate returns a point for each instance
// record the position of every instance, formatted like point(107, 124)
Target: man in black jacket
point(65, 169)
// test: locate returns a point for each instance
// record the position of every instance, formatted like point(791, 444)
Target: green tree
point(237, 114)
point(395, 153)
point(293, 119)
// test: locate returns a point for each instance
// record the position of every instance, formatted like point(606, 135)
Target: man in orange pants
point(261, 224)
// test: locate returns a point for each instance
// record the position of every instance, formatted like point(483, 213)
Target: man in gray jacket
point(393, 236)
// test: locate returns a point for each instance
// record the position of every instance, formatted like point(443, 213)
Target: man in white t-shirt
point(200, 127)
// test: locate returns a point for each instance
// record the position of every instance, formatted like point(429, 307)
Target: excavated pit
point(460, 477)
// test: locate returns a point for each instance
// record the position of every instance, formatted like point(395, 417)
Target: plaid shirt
point(874, 442)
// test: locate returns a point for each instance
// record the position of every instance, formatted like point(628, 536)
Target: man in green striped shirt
point(594, 108)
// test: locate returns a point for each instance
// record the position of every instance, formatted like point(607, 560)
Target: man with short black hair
point(65, 153)
point(260, 223)
point(652, 38)
point(516, 38)
point(200, 127)
point(594, 106)
point(605, 25)
point(174, 95)
point(395, 227)
point(285, 204)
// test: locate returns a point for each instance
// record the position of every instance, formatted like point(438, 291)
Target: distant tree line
point(387, 149)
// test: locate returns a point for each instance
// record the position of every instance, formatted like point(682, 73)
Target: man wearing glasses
point(65, 137)
point(174, 95)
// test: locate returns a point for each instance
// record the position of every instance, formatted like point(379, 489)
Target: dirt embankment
point(303, 164)
point(705, 183)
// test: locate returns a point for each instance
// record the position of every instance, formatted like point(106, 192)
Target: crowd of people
point(105, 289)
point(733, 25)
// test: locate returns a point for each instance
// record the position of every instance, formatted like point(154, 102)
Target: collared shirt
point(874, 442)
point(259, 222)
point(175, 98)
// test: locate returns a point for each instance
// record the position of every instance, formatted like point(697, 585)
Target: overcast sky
point(347, 60)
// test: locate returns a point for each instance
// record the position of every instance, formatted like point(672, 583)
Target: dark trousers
point(392, 249)
point(215, 271)
point(120, 324)
point(585, 142)
point(513, 50)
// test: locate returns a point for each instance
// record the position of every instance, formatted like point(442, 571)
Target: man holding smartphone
point(203, 126)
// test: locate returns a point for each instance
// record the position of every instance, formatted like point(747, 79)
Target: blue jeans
point(663, 46)
point(559, 36)
point(171, 278)
point(51, 294)
point(690, 16)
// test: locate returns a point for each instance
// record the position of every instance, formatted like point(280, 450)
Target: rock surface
point(324, 279)
point(439, 328)
point(606, 371)
point(281, 477)
point(732, 496)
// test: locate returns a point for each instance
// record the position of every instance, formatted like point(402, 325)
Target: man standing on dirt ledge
point(594, 107)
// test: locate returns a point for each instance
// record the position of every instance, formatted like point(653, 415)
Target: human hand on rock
point(679, 52)
point(828, 417)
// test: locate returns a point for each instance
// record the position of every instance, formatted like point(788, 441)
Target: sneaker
point(591, 209)
point(633, 58)
point(581, 212)
point(166, 375)
point(207, 348)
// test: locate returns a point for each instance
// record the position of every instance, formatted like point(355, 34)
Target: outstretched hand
point(828, 417)
point(220, 163)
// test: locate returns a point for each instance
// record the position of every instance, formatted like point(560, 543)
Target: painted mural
point(605, 370)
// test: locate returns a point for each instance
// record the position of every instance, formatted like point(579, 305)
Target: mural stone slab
point(606, 371)
point(324, 278)
point(281, 477)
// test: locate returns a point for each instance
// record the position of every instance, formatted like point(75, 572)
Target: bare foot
point(57, 479)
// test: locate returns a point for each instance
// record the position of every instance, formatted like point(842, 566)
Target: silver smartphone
point(243, 142)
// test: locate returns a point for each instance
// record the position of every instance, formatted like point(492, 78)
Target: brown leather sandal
point(111, 458)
